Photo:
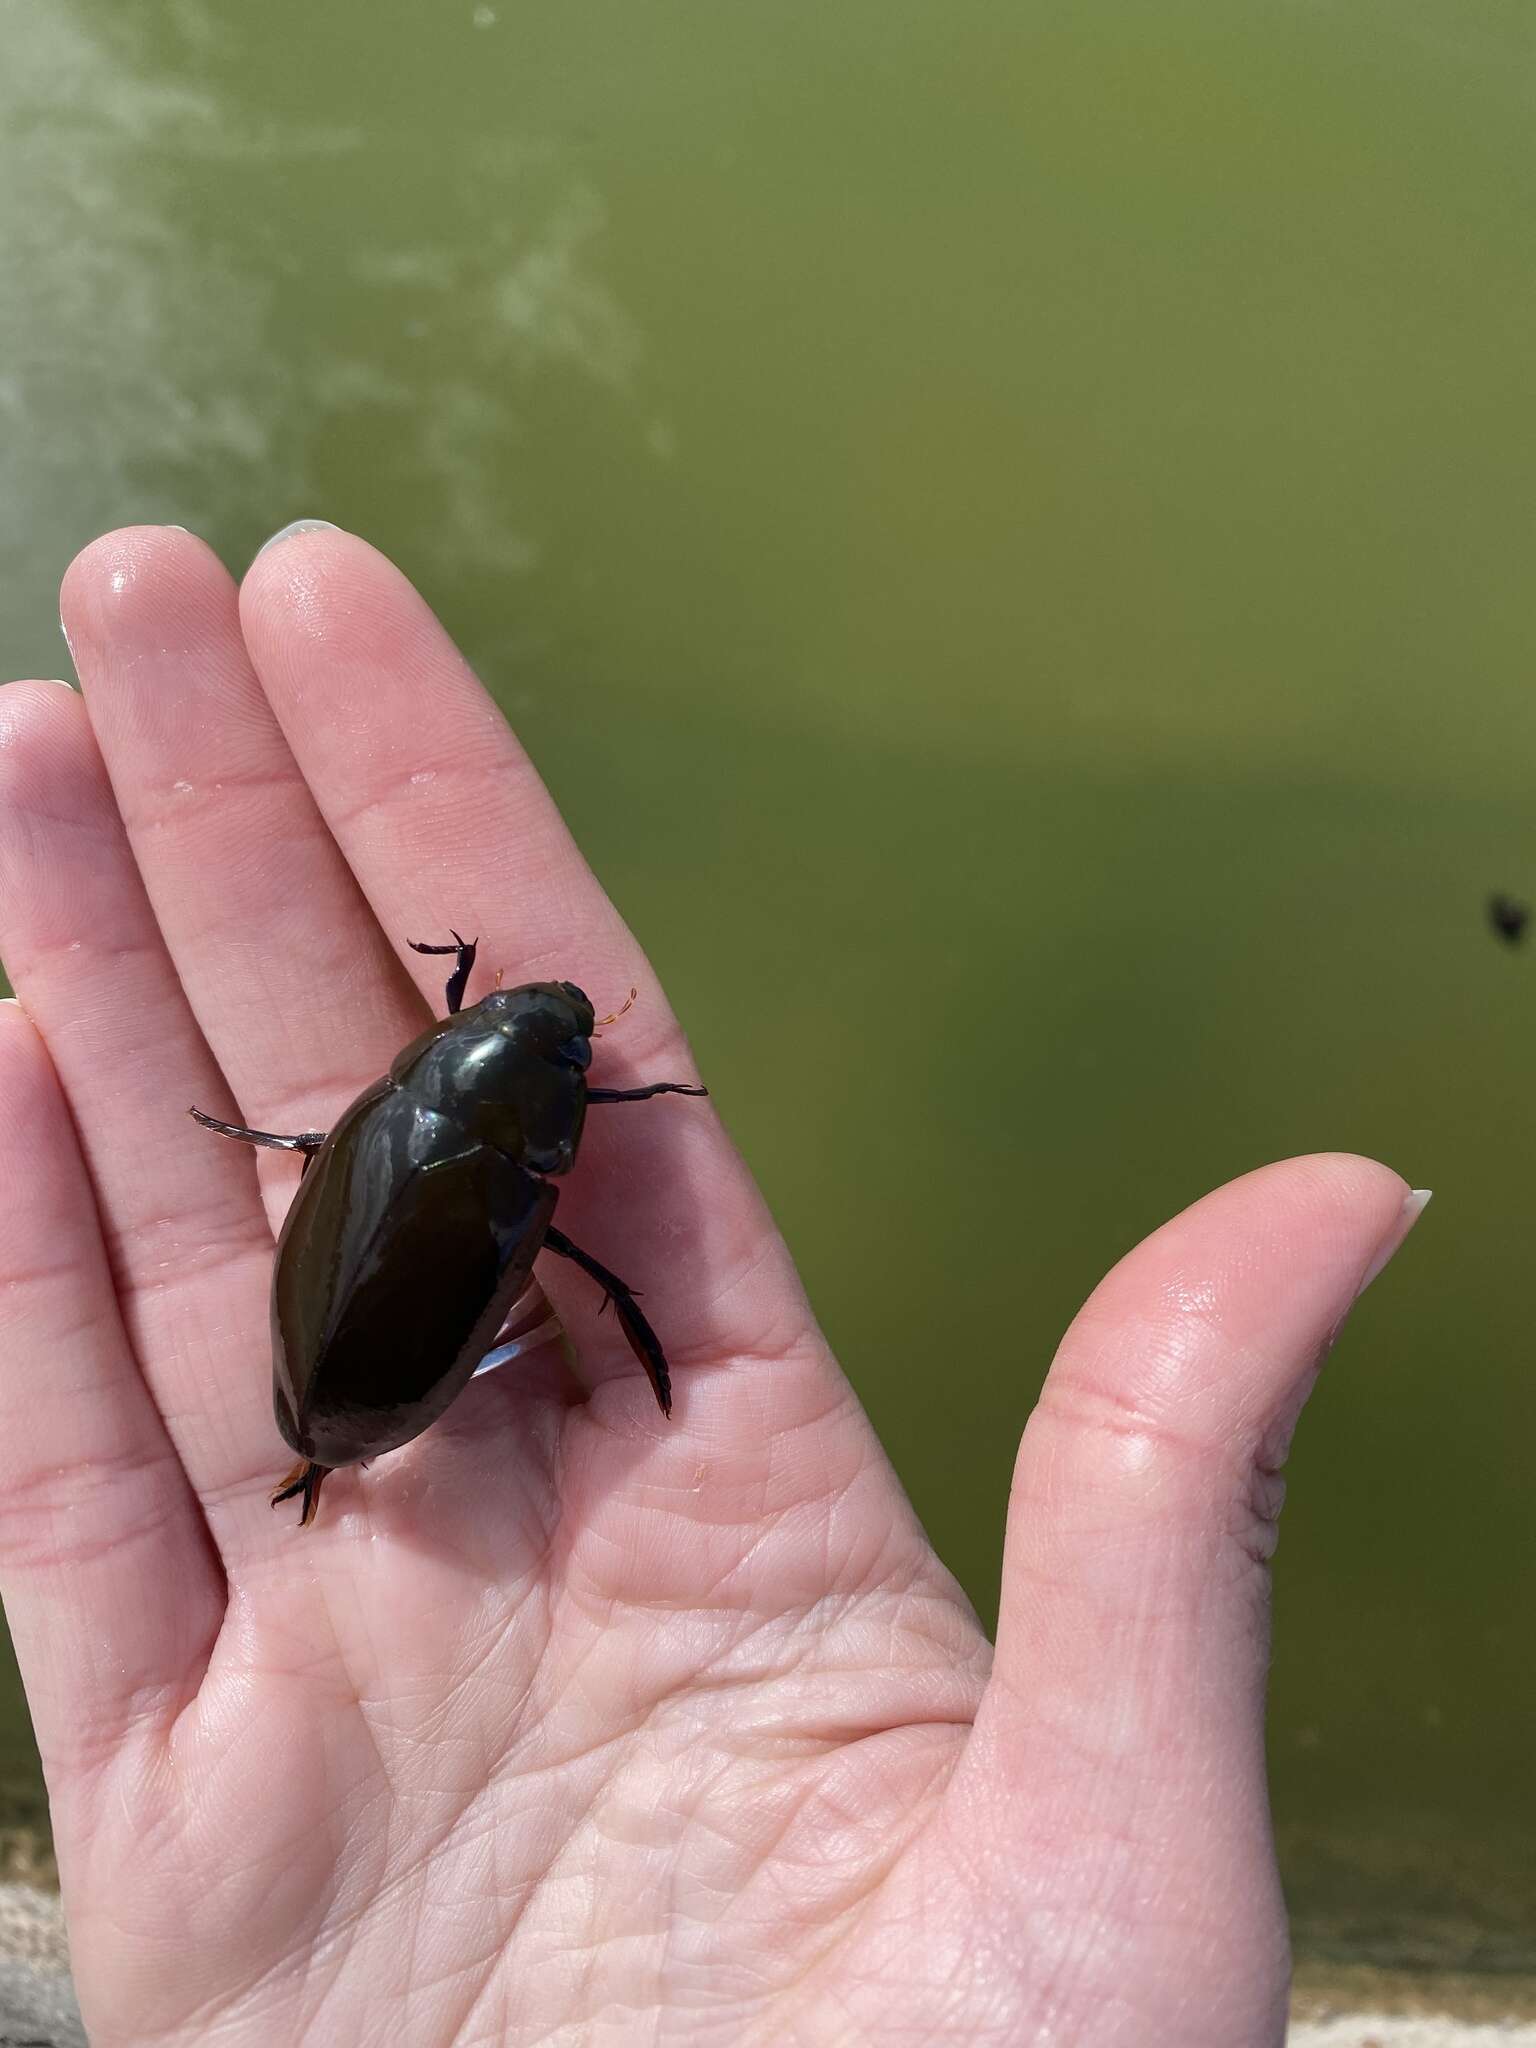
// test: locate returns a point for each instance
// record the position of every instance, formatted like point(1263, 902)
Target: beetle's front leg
point(643, 1340)
point(458, 981)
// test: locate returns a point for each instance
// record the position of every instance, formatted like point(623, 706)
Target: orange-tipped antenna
point(628, 1004)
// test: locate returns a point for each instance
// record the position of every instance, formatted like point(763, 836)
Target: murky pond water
point(1038, 498)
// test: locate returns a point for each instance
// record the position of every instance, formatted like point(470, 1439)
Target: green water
point(1039, 497)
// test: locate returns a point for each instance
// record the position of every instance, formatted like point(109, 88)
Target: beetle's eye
point(577, 1052)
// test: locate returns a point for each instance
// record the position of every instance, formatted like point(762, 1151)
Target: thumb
point(1120, 1746)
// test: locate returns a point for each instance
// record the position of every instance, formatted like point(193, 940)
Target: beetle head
point(534, 1105)
point(552, 1019)
point(511, 1071)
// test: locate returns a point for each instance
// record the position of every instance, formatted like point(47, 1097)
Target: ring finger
point(189, 1248)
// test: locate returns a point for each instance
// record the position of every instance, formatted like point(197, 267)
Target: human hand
point(565, 1723)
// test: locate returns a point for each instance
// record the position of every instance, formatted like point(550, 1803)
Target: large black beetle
point(418, 1219)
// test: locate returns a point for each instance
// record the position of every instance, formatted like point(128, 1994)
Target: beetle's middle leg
point(643, 1340)
point(301, 1141)
point(458, 981)
point(644, 1094)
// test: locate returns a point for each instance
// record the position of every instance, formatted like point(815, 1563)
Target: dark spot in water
point(1508, 918)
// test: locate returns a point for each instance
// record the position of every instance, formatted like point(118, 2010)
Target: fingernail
point(297, 526)
point(1414, 1205)
point(62, 683)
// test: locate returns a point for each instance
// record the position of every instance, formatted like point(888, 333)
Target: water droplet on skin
point(182, 788)
point(423, 776)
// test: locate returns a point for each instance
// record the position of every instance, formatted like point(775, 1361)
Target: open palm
point(566, 1723)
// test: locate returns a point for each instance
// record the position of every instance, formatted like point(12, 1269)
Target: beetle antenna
point(627, 1004)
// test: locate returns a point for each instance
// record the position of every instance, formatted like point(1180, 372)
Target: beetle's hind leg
point(458, 981)
point(307, 1478)
point(643, 1340)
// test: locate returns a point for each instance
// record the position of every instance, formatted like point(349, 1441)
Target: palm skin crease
point(565, 1724)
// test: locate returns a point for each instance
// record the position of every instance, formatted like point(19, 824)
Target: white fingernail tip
point(1415, 1202)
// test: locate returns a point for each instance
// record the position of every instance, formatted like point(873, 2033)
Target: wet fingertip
point(294, 528)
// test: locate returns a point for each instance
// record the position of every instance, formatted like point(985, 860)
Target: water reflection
point(189, 324)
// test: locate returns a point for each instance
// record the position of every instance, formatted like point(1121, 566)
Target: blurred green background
point(1036, 499)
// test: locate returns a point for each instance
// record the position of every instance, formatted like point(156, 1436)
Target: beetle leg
point(643, 1340)
point(301, 1141)
point(458, 981)
point(307, 1478)
point(644, 1094)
